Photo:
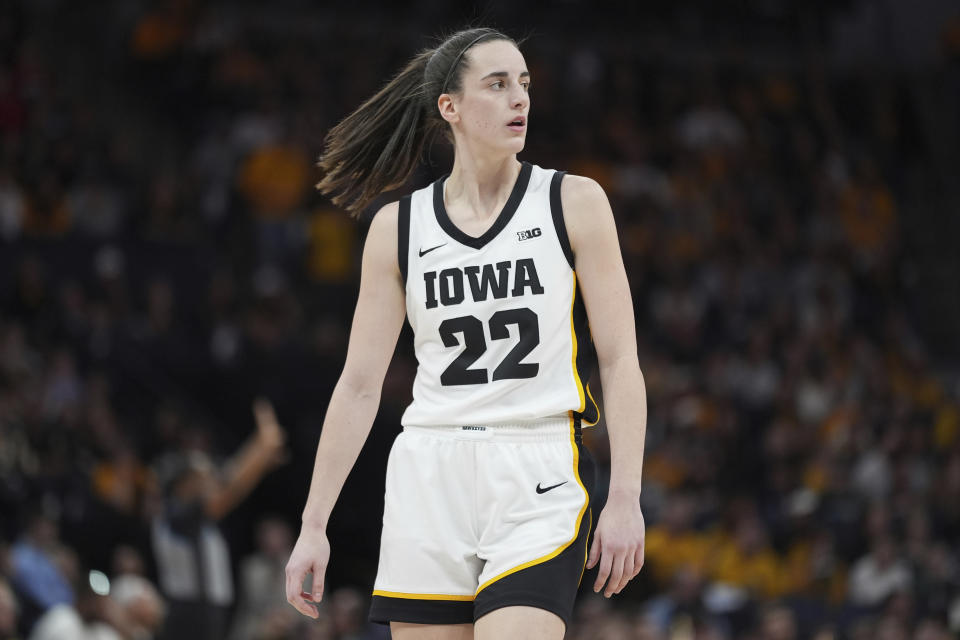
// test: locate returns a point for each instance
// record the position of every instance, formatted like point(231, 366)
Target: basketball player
point(498, 268)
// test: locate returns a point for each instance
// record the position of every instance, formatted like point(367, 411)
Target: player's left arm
point(619, 537)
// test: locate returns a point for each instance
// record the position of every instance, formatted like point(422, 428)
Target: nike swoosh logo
point(545, 489)
point(423, 253)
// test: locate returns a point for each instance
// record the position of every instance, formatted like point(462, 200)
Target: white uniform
point(488, 486)
point(499, 327)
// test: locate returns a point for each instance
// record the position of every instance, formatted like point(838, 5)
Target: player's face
point(494, 100)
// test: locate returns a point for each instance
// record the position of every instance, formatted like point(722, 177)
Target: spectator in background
point(746, 561)
point(262, 579)
point(879, 574)
point(673, 545)
point(646, 629)
point(589, 614)
point(142, 607)
point(39, 573)
point(932, 630)
point(127, 561)
point(332, 247)
point(8, 612)
point(612, 627)
point(93, 616)
point(322, 628)
point(274, 180)
point(128, 608)
point(778, 623)
point(12, 207)
point(683, 600)
point(348, 608)
point(191, 554)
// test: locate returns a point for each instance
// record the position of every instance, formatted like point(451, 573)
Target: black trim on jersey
point(556, 210)
point(403, 236)
point(510, 208)
point(586, 357)
point(550, 585)
point(384, 610)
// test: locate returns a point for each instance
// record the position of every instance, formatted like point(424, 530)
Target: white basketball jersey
point(500, 329)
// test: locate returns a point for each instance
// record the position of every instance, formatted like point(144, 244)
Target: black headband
point(456, 61)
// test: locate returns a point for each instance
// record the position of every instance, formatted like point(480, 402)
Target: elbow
point(619, 363)
point(216, 506)
point(622, 369)
point(360, 385)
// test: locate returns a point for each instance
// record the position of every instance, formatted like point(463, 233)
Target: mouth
point(518, 124)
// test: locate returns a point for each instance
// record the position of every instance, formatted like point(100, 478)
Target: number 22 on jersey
point(471, 328)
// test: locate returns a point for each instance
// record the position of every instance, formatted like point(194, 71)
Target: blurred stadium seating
point(784, 177)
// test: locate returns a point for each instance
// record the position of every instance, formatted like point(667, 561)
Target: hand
point(618, 544)
point(310, 555)
point(270, 435)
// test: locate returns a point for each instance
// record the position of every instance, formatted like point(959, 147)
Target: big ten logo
point(529, 233)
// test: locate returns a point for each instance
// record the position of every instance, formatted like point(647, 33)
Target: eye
point(497, 85)
point(525, 85)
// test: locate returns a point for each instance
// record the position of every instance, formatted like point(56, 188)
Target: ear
point(448, 108)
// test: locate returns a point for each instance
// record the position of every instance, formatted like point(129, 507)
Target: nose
point(520, 98)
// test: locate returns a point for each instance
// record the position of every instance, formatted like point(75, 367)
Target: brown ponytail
point(377, 147)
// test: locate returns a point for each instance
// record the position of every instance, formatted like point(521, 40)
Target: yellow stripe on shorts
point(576, 528)
point(421, 596)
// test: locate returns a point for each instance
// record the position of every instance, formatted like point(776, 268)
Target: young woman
point(498, 268)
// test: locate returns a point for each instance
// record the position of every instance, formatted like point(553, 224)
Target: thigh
point(526, 623)
point(409, 631)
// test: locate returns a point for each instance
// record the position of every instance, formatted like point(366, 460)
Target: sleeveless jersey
point(500, 330)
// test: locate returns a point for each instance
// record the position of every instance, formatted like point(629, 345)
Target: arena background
point(785, 181)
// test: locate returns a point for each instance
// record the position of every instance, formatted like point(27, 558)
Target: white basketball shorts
point(479, 517)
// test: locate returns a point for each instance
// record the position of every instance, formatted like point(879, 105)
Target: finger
point(616, 574)
point(628, 572)
point(295, 580)
point(318, 574)
point(604, 572)
point(292, 576)
point(638, 558)
point(594, 552)
point(263, 411)
point(295, 597)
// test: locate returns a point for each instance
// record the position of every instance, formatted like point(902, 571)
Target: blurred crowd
point(164, 261)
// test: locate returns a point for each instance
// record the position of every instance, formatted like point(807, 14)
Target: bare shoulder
point(385, 219)
point(586, 209)
point(580, 189)
point(383, 227)
point(380, 250)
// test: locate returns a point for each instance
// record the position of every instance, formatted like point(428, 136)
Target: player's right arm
point(377, 321)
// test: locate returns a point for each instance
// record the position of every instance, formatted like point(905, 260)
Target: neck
point(481, 184)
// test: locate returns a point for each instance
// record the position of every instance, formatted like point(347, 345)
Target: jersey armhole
point(556, 211)
point(403, 236)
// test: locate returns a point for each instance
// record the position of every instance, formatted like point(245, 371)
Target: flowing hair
point(377, 147)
